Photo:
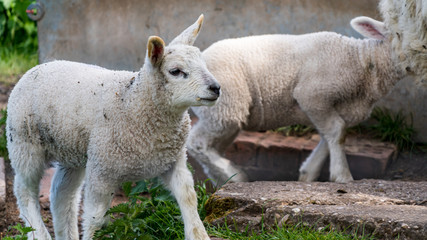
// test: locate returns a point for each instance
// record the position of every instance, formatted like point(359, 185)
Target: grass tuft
point(393, 128)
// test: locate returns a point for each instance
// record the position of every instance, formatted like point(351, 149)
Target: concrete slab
point(386, 209)
point(2, 182)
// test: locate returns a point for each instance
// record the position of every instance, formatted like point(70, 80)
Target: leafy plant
point(393, 128)
point(155, 215)
point(22, 232)
point(17, 31)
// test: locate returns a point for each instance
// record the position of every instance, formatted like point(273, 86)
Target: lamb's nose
point(215, 88)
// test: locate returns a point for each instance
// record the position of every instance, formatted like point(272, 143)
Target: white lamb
point(105, 127)
point(324, 79)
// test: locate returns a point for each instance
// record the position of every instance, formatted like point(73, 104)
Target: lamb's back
point(59, 103)
point(259, 74)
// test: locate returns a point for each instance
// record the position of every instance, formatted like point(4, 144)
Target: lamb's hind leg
point(180, 182)
point(28, 161)
point(206, 143)
point(64, 199)
point(311, 167)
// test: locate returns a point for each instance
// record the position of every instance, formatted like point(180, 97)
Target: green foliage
point(18, 40)
point(296, 130)
point(21, 232)
point(3, 143)
point(154, 217)
point(17, 31)
point(393, 128)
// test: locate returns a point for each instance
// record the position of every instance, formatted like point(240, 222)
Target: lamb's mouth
point(207, 99)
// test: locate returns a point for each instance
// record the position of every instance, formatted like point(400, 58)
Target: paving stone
point(386, 209)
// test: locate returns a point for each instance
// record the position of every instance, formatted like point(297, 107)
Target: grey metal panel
point(113, 33)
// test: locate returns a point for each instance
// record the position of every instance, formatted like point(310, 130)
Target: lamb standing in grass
point(322, 79)
point(107, 127)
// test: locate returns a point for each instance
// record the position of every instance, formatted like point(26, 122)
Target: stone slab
point(386, 209)
point(2, 182)
point(272, 156)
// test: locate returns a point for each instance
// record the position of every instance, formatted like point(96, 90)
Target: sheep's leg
point(98, 193)
point(206, 144)
point(180, 182)
point(64, 201)
point(29, 168)
point(332, 127)
point(310, 169)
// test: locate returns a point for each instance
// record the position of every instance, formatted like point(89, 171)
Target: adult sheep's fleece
point(323, 79)
point(107, 127)
point(407, 23)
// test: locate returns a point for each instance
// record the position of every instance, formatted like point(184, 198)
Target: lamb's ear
point(369, 27)
point(155, 50)
point(189, 35)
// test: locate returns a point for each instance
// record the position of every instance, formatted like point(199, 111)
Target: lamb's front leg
point(332, 128)
point(311, 167)
point(98, 194)
point(180, 182)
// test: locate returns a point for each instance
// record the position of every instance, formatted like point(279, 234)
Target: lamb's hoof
point(225, 171)
point(198, 234)
point(341, 179)
point(306, 177)
point(239, 177)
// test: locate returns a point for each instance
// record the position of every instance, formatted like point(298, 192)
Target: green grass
point(289, 232)
point(13, 64)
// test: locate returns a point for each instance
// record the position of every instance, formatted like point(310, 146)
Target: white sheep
point(105, 127)
point(324, 79)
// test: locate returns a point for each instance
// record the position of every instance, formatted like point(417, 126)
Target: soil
point(406, 167)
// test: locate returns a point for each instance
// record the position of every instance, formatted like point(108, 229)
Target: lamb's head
point(179, 70)
point(407, 23)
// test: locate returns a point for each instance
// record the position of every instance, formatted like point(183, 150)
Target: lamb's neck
point(148, 100)
point(376, 60)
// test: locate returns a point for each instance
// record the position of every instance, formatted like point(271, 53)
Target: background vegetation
point(18, 40)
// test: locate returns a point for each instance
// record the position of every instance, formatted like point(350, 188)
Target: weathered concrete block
point(382, 208)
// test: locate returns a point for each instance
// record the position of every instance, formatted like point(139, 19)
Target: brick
point(279, 157)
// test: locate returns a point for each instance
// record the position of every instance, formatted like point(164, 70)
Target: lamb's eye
point(175, 72)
